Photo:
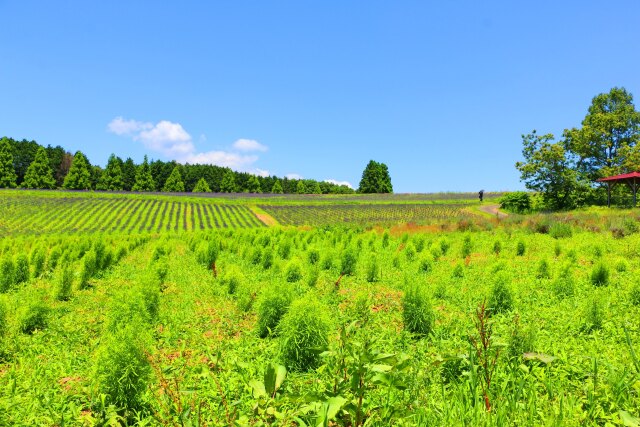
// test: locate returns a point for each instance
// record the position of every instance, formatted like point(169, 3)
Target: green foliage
point(64, 286)
point(122, 372)
point(79, 176)
point(313, 256)
point(277, 187)
point(38, 260)
point(564, 284)
point(497, 247)
point(7, 273)
point(7, 172)
point(304, 334)
point(501, 298)
point(348, 262)
point(294, 272)
point(301, 188)
point(417, 313)
point(232, 279)
point(593, 316)
point(39, 173)
point(560, 230)
point(517, 201)
point(373, 270)
point(202, 186)
point(3, 323)
point(33, 317)
point(89, 269)
point(228, 183)
point(600, 274)
point(112, 177)
point(253, 185)
point(521, 340)
point(543, 269)
point(467, 247)
point(144, 178)
point(375, 179)
point(174, 182)
point(22, 272)
point(520, 248)
point(426, 264)
point(272, 306)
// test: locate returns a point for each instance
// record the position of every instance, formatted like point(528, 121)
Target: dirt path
point(493, 210)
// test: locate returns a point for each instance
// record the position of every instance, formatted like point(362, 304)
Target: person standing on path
point(481, 195)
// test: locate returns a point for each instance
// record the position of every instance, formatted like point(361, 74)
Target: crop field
point(71, 213)
point(363, 213)
point(524, 321)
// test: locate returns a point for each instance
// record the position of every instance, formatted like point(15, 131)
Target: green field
point(322, 311)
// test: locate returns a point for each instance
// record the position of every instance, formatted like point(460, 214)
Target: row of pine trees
point(27, 164)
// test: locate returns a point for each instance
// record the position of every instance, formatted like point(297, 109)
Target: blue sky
point(439, 91)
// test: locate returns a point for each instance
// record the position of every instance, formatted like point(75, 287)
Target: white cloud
point(249, 145)
point(221, 158)
point(294, 176)
point(120, 126)
point(335, 182)
point(260, 172)
point(174, 142)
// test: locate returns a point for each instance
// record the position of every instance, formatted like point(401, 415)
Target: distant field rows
point(362, 213)
point(121, 215)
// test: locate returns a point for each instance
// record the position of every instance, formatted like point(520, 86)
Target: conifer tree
point(253, 184)
point(111, 178)
point(174, 183)
point(39, 173)
point(144, 179)
point(7, 172)
point(315, 188)
point(277, 187)
point(202, 187)
point(128, 174)
point(375, 179)
point(228, 183)
point(79, 176)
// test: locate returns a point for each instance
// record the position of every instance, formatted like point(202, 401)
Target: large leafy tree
point(202, 186)
point(610, 132)
point(174, 183)
point(144, 179)
point(23, 154)
point(39, 173)
point(228, 183)
point(111, 179)
point(7, 172)
point(79, 176)
point(547, 169)
point(301, 188)
point(375, 179)
point(57, 157)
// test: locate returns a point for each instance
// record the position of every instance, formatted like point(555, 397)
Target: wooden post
point(608, 194)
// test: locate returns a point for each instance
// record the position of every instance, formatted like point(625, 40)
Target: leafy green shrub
point(272, 305)
point(256, 256)
point(593, 315)
point(284, 249)
point(385, 240)
point(622, 266)
point(543, 269)
point(348, 262)
point(634, 294)
point(517, 201)
point(557, 249)
point(520, 248)
point(396, 262)
point(521, 341)
point(122, 372)
point(3, 322)
point(560, 230)
point(54, 256)
point(417, 312)
point(304, 332)
point(7, 273)
point(501, 298)
point(22, 272)
point(444, 246)
point(458, 271)
point(267, 258)
point(418, 243)
point(161, 272)
point(65, 283)
point(410, 252)
point(293, 272)
point(232, 279)
point(426, 265)
point(453, 368)
point(373, 270)
point(89, 266)
point(327, 262)
point(312, 277)
point(600, 274)
point(245, 298)
point(38, 260)
point(497, 247)
point(33, 317)
point(313, 256)
point(563, 284)
point(467, 247)
point(360, 310)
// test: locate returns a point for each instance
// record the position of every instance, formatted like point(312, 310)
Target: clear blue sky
point(439, 91)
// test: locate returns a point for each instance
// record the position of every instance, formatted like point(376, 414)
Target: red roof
point(620, 177)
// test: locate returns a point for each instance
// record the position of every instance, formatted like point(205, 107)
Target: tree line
point(27, 164)
point(564, 171)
